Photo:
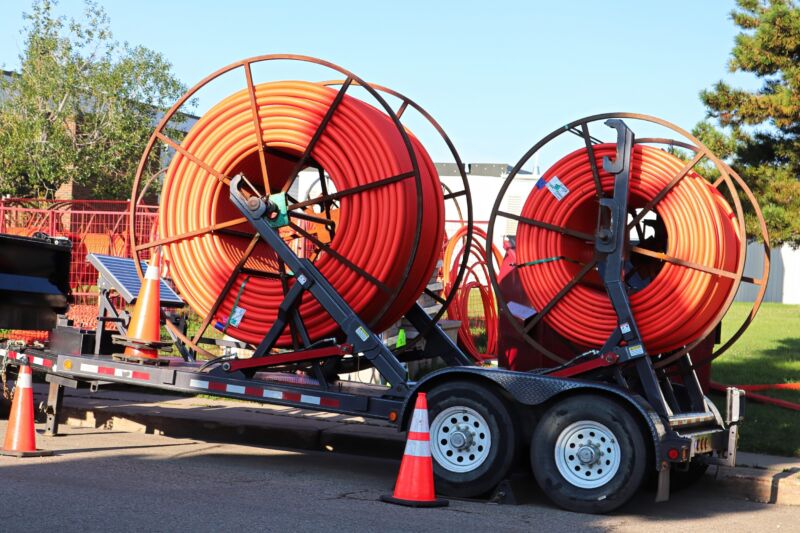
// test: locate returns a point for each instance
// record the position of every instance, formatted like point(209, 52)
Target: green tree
point(760, 130)
point(81, 108)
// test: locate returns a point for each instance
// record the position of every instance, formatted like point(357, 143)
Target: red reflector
point(672, 454)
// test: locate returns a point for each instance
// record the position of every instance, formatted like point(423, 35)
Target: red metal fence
point(93, 226)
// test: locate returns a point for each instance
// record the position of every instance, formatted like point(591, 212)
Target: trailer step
point(691, 419)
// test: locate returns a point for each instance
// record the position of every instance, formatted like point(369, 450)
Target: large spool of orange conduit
point(677, 306)
point(375, 229)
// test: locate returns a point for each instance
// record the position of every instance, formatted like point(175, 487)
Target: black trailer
point(593, 430)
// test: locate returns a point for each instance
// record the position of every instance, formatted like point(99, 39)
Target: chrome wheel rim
point(587, 454)
point(460, 439)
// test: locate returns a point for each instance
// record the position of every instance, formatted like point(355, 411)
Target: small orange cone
point(21, 433)
point(145, 323)
point(414, 486)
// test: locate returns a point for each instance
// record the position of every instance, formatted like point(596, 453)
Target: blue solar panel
point(120, 272)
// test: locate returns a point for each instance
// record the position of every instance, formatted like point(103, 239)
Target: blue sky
point(498, 75)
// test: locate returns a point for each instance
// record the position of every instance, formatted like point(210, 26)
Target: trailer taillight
point(673, 454)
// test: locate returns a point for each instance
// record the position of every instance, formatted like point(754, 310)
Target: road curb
point(780, 487)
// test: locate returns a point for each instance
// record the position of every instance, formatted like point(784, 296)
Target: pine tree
point(760, 130)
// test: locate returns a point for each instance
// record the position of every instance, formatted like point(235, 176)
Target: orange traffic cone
point(414, 486)
point(21, 433)
point(145, 326)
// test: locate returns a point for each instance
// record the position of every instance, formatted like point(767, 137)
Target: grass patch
point(768, 352)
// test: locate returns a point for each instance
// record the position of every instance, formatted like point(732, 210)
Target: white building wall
point(784, 277)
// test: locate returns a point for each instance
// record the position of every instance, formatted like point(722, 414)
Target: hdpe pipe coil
point(475, 279)
point(375, 230)
point(680, 302)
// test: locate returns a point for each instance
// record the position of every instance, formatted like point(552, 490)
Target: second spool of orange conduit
point(376, 228)
point(680, 302)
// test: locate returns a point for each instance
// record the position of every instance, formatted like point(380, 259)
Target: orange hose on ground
point(376, 228)
point(680, 303)
point(760, 397)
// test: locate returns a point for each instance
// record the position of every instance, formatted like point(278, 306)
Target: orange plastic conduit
point(680, 302)
point(375, 231)
point(475, 278)
point(761, 398)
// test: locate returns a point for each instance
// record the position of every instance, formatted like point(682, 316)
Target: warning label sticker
point(558, 189)
point(236, 316)
point(635, 349)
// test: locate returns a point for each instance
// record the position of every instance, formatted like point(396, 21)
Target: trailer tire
point(483, 444)
point(589, 454)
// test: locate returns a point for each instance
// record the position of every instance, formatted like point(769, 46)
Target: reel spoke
point(552, 303)
point(342, 259)
point(681, 262)
point(352, 190)
point(588, 141)
point(226, 288)
point(663, 192)
point(402, 109)
point(191, 157)
point(318, 133)
point(194, 233)
point(311, 218)
point(434, 295)
point(257, 126)
point(552, 227)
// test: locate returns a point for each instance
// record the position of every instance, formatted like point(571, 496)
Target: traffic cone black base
point(438, 502)
point(37, 453)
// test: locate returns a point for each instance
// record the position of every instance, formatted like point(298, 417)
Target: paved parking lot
point(104, 480)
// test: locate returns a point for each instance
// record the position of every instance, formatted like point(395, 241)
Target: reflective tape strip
point(92, 369)
point(151, 272)
point(3, 351)
point(330, 402)
point(120, 373)
point(309, 399)
point(275, 395)
point(198, 384)
point(37, 361)
point(235, 389)
point(420, 421)
point(418, 448)
point(417, 435)
point(24, 381)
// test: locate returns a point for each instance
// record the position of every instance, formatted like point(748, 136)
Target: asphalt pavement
point(111, 480)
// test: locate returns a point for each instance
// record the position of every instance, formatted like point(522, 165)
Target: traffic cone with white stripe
point(414, 486)
point(21, 432)
point(145, 325)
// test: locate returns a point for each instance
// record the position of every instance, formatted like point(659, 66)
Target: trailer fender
point(533, 389)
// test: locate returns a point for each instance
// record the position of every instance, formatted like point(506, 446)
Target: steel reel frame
point(449, 194)
point(735, 186)
point(139, 191)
